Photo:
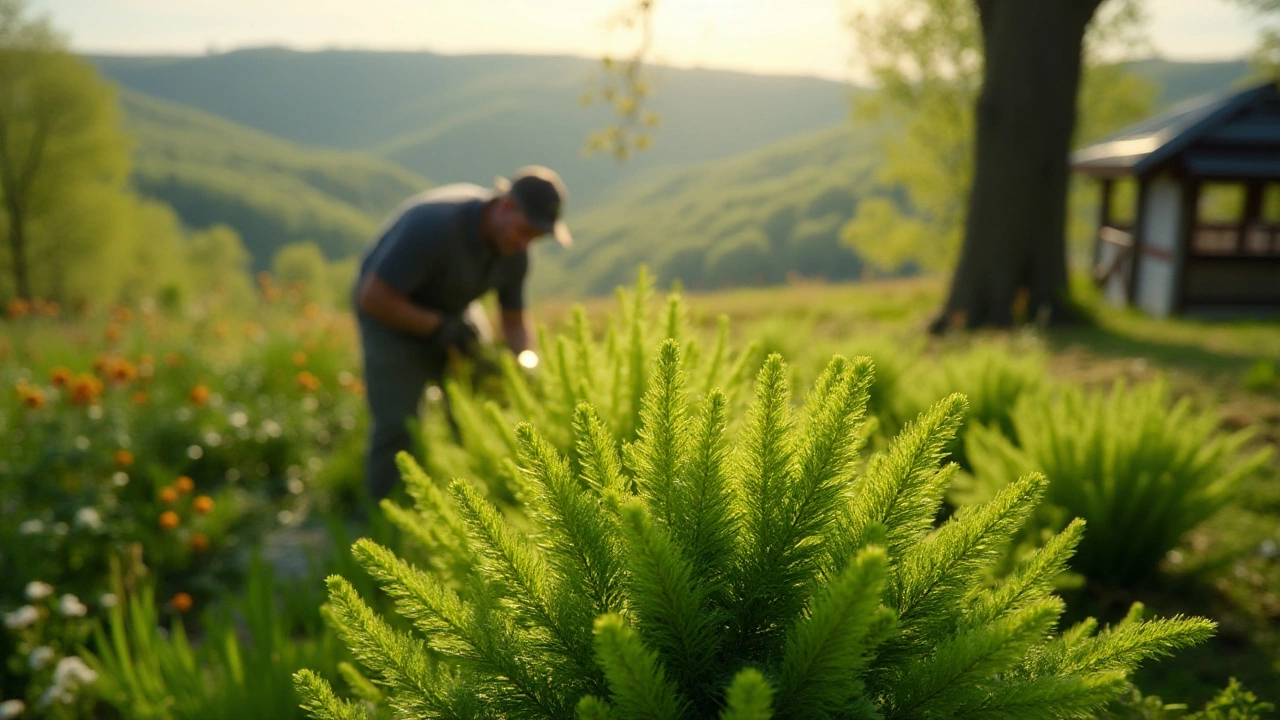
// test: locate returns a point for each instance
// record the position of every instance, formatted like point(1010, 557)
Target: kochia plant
point(695, 575)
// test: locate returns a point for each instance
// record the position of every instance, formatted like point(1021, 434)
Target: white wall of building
point(1157, 276)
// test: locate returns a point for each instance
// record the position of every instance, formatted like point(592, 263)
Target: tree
point(1013, 252)
point(1267, 55)
point(926, 59)
point(58, 132)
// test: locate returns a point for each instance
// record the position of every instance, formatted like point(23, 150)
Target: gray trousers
point(397, 369)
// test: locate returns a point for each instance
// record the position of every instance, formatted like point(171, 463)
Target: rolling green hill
point(760, 218)
point(469, 118)
point(271, 191)
point(749, 181)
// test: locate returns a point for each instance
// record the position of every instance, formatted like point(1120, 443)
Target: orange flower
point(168, 495)
point(182, 602)
point(32, 397)
point(185, 485)
point(18, 307)
point(203, 505)
point(123, 371)
point(199, 395)
point(124, 459)
point(139, 398)
point(299, 358)
point(51, 309)
point(173, 359)
point(357, 387)
point(146, 359)
point(61, 376)
point(169, 520)
point(101, 365)
point(85, 389)
point(308, 381)
point(121, 314)
point(112, 333)
point(199, 542)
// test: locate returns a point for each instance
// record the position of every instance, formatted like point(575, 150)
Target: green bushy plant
point(1234, 702)
point(576, 366)
point(1140, 469)
point(702, 573)
point(991, 377)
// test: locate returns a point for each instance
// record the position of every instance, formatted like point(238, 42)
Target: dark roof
point(1234, 133)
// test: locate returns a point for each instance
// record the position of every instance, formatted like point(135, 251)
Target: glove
point(456, 333)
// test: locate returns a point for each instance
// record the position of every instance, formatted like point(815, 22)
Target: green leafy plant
point(1140, 469)
point(148, 674)
point(697, 575)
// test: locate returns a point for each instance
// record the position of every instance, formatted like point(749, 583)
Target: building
point(1203, 236)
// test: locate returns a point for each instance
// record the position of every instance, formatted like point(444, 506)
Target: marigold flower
point(199, 395)
point(182, 602)
point(307, 381)
point(124, 459)
point(61, 376)
point(18, 308)
point(169, 520)
point(101, 364)
point(32, 397)
point(299, 358)
point(357, 387)
point(112, 333)
point(85, 389)
point(199, 542)
point(123, 371)
point(185, 484)
point(121, 314)
point(52, 309)
point(139, 398)
point(168, 495)
point(173, 359)
point(146, 359)
point(203, 505)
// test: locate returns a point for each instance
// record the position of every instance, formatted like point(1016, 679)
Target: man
point(441, 251)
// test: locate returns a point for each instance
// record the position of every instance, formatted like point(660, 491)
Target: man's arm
point(515, 330)
point(382, 302)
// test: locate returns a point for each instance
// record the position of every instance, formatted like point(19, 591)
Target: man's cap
point(541, 194)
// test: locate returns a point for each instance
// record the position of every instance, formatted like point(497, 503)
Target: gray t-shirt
point(431, 250)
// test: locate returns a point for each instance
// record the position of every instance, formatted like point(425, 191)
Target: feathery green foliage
point(1142, 471)
point(748, 573)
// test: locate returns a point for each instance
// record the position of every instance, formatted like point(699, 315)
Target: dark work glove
point(456, 333)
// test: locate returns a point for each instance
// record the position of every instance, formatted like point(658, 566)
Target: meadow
point(177, 483)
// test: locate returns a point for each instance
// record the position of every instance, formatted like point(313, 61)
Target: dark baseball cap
point(540, 194)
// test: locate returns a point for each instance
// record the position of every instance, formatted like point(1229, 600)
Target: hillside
point(272, 191)
point(760, 218)
point(469, 118)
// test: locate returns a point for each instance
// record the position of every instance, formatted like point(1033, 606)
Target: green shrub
point(1141, 470)
point(1233, 702)
point(576, 367)
point(696, 575)
point(992, 377)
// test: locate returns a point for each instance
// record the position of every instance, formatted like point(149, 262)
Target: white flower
point(71, 606)
point(72, 672)
point(34, 526)
point(21, 617)
point(37, 590)
point(88, 517)
point(108, 600)
point(10, 709)
point(40, 657)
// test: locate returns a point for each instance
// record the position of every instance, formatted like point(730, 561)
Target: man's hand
point(456, 333)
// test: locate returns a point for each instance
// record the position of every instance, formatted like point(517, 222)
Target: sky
point(792, 37)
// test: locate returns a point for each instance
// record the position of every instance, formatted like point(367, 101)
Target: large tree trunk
point(1013, 262)
point(18, 249)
